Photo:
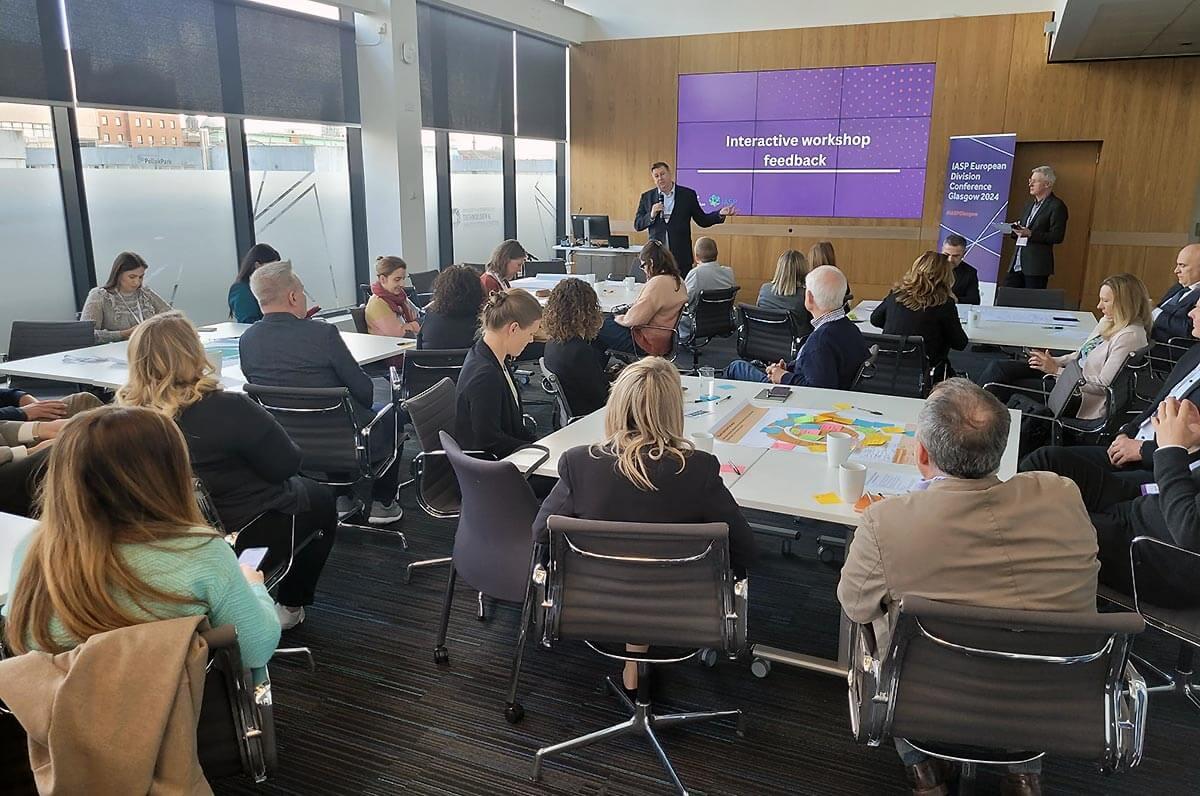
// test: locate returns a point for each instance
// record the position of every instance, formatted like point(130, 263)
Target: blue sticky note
point(726, 386)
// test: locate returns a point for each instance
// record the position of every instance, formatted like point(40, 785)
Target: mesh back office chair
point(422, 282)
point(337, 448)
point(37, 338)
point(426, 367)
point(614, 583)
point(965, 683)
point(563, 414)
point(710, 316)
point(432, 412)
point(638, 275)
point(236, 731)
point(766, 335)
point(359, 316)
point(1033, 298)
point(899, 366)
point(208, 510)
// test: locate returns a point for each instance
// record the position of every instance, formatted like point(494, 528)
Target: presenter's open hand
point(1177, 423)
point(656, 209)
point(1124, 450)
point(728, 210)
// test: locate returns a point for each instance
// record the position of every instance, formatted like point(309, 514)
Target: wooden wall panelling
point(770, 49)
point(716, 53)
point(1170, 207)
point(1106, 260)
point(1043, 102)
point(858, 45)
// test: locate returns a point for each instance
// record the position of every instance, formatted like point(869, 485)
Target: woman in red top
point(507, 261)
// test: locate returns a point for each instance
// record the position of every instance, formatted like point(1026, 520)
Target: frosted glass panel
point(300, 186)
point(34, 268)
point(536, 196)
point(433, 258)
point(476, 196)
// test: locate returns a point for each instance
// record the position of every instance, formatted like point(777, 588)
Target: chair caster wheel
point(825, 554)
point(708, 657)
point(513, 712)
point(761, 667)
point(441, 655)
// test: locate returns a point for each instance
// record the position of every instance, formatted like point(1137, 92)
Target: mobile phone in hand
point(313, 310)
point(253, 556)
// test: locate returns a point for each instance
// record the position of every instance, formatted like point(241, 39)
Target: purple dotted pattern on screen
point(895, 143)
point(874, 91)
point(800, 94)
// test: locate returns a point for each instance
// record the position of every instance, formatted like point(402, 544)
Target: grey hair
point(828, 287)
point(271, 282)
point(964, 428)
point(1047, 174)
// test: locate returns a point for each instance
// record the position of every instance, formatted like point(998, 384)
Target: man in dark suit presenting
point(667, 211)
point(1171, 313)
point(1043, 225)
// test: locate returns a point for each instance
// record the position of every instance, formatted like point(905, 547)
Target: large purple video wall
point(841, 142)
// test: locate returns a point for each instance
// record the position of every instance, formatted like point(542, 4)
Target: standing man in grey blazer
point(1043, 225)
point(964, 536)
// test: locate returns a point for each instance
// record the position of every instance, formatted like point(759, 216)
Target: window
point(137, 121)
point(33, 235)
point(162, 123)
point(536, 196)
point(172, 124)
point(300, 184)
point(117, 120)
point(433, 257)
point(103, 120)
point(174, 140)
point(150, 140)
point(139, 139)
point(106, 138)
point(120, 138)
point(476, 196)
point(174, 208)
point(305, 6)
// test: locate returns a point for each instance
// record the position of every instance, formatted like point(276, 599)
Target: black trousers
point(315, 531)
point(1108, 493)
point(1013, 372)
point(1022, 279)
point(19, 482)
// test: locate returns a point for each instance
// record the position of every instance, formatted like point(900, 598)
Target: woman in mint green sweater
point(121, 542)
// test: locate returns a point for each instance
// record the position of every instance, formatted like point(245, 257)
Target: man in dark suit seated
point(966, 278)
point(1171, 313)
point(831, 355)
point(287, 349)
point(1143, 485)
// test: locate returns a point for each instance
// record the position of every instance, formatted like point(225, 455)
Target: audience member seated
point(645, 470)
point(288, 349)
point(20, 405)
point(24, 448)
point(240, 453)
point(1171, 313)
point(452, 315)
point(507, 261)
point(658, 305)
point(705, 274)
point(966, 278)
point(831, 355)
point(1124, 323)
point(571, 322)
point(922, 303)
point(1111, 481)
point(822, 253)
point(123, 301)
point(121, 542)
point(389, 312)
point(786, 290)
point(1025, 543)
point(490, 416)
point(243, 307)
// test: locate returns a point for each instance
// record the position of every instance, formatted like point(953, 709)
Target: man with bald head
point(1171, 314)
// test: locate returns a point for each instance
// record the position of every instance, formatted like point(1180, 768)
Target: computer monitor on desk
point(590, 229)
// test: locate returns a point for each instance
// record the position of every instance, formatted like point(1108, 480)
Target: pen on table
point(1056, 328)
point(868, 411)
point(704, 401)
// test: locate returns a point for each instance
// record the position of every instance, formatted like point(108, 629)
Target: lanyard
point(136, 309)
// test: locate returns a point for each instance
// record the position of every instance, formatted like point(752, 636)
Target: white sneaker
point(289, 617)
point(385, 513)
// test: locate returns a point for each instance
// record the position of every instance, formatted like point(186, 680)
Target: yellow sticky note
point(872, 440)
point(893, 430)
point(827, 498)
point(816, 448)
point(845, 421)
point(843, 406)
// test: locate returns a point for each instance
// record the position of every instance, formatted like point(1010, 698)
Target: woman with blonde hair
point(646, 470)
point(121, 542)
point(571, 322)
point(389, 312)
point(1124, 327)
point(244, 458)
point(922, 303)
point(507, 261)
point(786, 290)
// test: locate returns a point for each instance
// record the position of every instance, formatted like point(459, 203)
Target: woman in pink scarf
point(389, 312)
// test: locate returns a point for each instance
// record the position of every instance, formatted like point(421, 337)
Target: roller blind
point(466, 73)
point(33, 54)
point(541, 88)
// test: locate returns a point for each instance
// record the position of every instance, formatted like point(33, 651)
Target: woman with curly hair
point(452, 315)
point(571, 322)
point(922, 303)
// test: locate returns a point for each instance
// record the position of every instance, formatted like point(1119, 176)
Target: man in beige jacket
point(967, 537)
point(24, 447)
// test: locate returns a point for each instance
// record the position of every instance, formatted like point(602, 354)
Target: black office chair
point(422, 282)
point(609, 584)
point(1031, 298)
point(38, 338)
point(431, 413)
point(963, 683)
point(638, 275)
point(767, 336)
point(711, 315)
point(424, 368)
point(336, 445)
point(899, 366)
point(359, 316)
point(563, 414)
point(536, 267)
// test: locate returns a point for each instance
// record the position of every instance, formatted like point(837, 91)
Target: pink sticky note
point(728, 468)
point(783, 446)
point(827, 427)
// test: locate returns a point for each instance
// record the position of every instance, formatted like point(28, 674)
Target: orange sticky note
point(827, 498)
point(843, 406)
point(893, 429)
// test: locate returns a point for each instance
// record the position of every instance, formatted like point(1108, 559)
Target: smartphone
point(313, 310)
point(253, 556)
point(779, 392)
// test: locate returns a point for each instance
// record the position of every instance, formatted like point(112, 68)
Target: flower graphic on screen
point(714, 200)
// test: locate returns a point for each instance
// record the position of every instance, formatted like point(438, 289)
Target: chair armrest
point(538, 463)
point(1015, 388)
point(529, 423)
point(366, 430)
point(1150, 540)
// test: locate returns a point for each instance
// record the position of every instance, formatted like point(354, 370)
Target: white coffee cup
point(703, 441)
point(630, 283)
point(852, 480)
point(216, 359)
point(838, 446)
point(972, 317)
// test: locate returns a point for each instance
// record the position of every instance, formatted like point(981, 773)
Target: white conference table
point(13, 531)
point(1064, 330)
point(611, 294)
point(108, 365)
point(777, 481)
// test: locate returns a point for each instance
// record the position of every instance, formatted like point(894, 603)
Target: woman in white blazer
point(1123, 328)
